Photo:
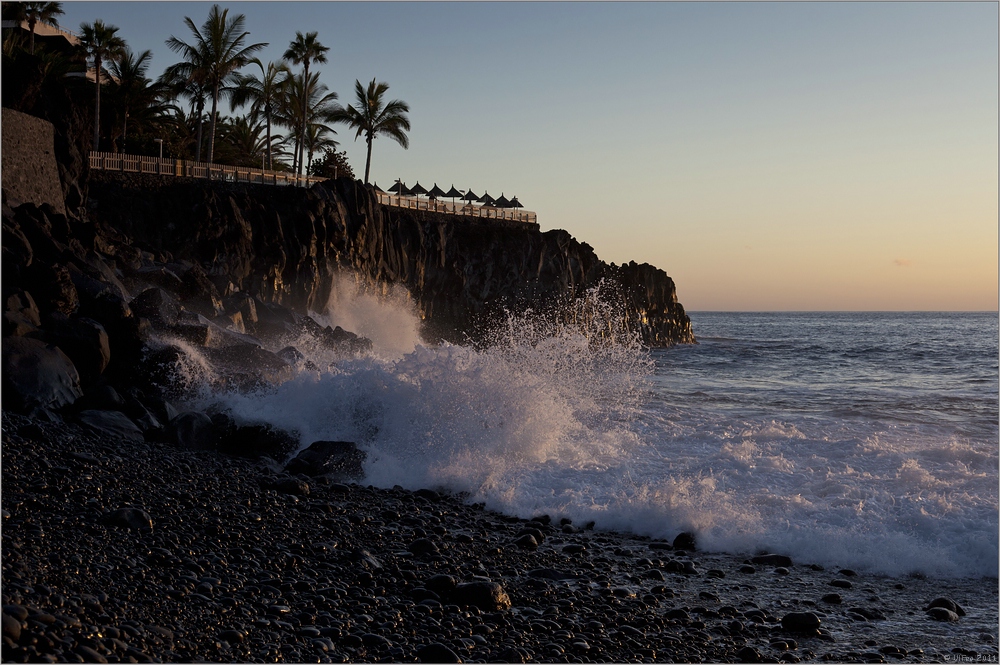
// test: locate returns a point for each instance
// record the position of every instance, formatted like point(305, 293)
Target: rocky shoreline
point(123, 550)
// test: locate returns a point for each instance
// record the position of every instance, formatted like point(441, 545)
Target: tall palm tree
point(373, 116)
point(45, 12)
point(99, 42)
point(318, 139)
point(188, 78)
point(218, 46)
point(302, 51)
point(134, 95)
point(265, 94)
point(320, 107)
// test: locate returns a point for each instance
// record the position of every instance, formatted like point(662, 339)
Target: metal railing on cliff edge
point(122, 163)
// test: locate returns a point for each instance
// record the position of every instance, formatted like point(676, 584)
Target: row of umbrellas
point(436, 192)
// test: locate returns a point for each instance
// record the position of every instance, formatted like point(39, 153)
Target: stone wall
point(29, 170)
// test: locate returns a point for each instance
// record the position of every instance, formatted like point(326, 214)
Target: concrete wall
point(29, 171)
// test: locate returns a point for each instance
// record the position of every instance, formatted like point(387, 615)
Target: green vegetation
point(288, 116)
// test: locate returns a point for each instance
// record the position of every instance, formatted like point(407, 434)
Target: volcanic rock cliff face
point(289, 246)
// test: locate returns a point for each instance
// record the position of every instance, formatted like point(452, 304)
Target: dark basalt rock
point(113, 423)
point(684, 541)
point(948, 604)
point(942, 614)
point(288, 246)
point(84, 340)
point(338, 459)
point(129, 518)
point(778, 560)
point(800, 622)
point(37, 375)
point(487, 596)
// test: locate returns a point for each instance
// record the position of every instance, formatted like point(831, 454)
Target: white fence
point(113, 161)
point(469, 209)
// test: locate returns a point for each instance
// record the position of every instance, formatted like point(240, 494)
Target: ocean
point(859, 440)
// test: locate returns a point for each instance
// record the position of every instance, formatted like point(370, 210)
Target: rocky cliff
point(288, 246)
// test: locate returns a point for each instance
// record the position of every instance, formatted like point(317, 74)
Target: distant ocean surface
point(862, 440)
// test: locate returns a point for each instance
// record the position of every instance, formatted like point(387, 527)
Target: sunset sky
point(772, 156)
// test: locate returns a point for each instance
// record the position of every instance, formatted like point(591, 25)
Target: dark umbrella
point(502, 202)
point(436, 192)
point(378, 189)
point(514, 203)
point(470, 197)
point(400, 188)
point(417, 189)
point(486, 199)
point(453, 194)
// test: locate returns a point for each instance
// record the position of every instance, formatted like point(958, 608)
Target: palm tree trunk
point(268, 146)
point(97, 103)
point(215, 109)
point(368, 162)
point(305, 109)
point(124, 130)
point(201, 115)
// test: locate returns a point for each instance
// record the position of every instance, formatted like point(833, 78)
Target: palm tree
point(45, 12)
point(303, 50)
point(318, 139)
point(100, 42)
point(135, 95)
point(265, 94)
point(219, 48)
point(188, 79)
point(374, 116)
point(319, 109)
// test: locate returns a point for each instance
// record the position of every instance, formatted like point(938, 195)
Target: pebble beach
point(119, 550)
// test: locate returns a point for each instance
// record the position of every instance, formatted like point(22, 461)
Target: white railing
point(448, 207)
point(122, 163)
point(113, 161)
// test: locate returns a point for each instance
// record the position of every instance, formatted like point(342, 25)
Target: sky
point(767, 156)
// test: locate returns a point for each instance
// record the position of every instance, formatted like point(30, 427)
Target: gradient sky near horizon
point(767, 156)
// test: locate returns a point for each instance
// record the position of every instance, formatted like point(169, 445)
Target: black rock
point(129, 518)
point(832, 598)
point(423, 546)
point(942, 614)
point(436, 653)
point(84, 340)
point(37, 375)
point(948, 604)
point(843, 584)
point(487, 596)
point(110, 423)
point(341, 460)
point(684, 541)
point(574, 548)
point(193, 430)
point(773, 560)
point(871, 615)
point(441, 584)
point(661, 546)
point(800, 622)
point(748, 655)
point(11, 627)
point(526, 542)
point(156, 305)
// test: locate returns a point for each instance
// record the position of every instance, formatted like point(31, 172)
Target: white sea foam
point(560, 414)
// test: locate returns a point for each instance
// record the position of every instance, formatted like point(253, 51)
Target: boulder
point(84, 340)
point(948, 604)
point(156, 305)
point(341, 460)
point(193, 430)
point(773, 560)
point(253, 440)
point(21, 314)
point(37, 375)
point(800, 622)
point(487, 596)
point(111, 423)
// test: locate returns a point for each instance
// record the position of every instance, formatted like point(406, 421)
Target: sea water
point(862, 440)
